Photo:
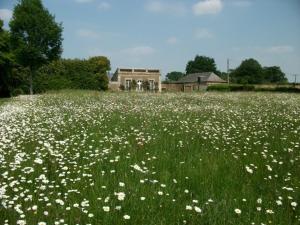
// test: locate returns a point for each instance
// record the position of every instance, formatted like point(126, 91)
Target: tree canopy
point(35, 36)
point(201, 64)
point(274, 74)
point(174, 76)
point(6, 62)
point(249, 72)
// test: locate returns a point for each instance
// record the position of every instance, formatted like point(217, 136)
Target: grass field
point(109, 158)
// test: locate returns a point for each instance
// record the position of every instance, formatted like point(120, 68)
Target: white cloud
point(84, 1)
point(203, 34)
point(5, 14)
point(139, 51)
point(172, 40)
point(208, 7)
point(86, 33)
point(104, 6)
point(177, 8)
point(280, 49)
point(242, 3)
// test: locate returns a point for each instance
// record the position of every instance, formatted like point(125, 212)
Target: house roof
point(205, 77)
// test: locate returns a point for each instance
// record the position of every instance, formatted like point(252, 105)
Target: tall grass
point(178, 159)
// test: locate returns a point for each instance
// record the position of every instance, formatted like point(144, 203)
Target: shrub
point(225, 87)
point(218, 87)
point(16, 92)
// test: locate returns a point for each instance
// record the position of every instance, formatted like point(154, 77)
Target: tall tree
point(6, 62)
point(274, 74)
point(36, 37)
point(249, 72)
point(174, 76)
point(201, 64)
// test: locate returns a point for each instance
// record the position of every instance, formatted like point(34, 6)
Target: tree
point(249, 72)
point(100, 64)
point(35, 36)
point(274, 74)
point(174, 76)
point(201, 64)
point(6, 62)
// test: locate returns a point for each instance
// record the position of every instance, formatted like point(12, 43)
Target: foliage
point(274, 74)
point(6, 62)
point(278, 89)
point(174, 76)
point(146, 85)
point(73, 74)
point(201, 64)
point(251, 72)
point(133, 85)
point(35, 36)
point(226, 87)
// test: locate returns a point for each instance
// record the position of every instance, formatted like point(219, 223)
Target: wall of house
point(139, 74)
point(171, 87)
point(113, 86)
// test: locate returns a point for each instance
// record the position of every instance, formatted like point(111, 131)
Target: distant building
point(193, 82)
point(136, 80)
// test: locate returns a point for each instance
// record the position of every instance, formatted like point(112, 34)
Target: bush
point(219, 87)
point(225, 87)
point(73, 74)
point(242, 87)
point(279, 89)
point(16, 92)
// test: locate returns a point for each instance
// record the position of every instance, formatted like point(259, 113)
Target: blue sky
point(166, 34)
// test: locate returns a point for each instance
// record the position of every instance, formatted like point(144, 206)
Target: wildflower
point(42, 223)
point(59, 201)
point(106, 208)
point(197, 209)
point(249, 170)
point(279, 202)
point(38, 161)
point(238, 211)
point(121, 184)
point(126, 217)
point(294, 204)
point(188, 207)
point(21, 222)
point(269, 211)
point(143, 198)
point(121, 196)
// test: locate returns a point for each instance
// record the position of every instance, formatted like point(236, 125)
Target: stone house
point(193, 82)
point(136, 79)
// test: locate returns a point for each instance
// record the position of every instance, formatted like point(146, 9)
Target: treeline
point(63, 74)
point(249, 72)
point(30, 56)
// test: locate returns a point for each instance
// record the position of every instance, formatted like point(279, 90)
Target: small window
point(151, 85)
point(139, 71)
point(127, 84)
point(153, 71)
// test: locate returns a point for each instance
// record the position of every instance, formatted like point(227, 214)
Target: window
point(151, 85)
point(127, 84)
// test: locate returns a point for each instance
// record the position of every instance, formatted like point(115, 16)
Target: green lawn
point(81, 157)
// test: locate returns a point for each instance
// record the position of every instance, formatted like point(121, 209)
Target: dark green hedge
point(229, 88)
point(225, 87)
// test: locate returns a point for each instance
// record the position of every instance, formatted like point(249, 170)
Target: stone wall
point(172, 87)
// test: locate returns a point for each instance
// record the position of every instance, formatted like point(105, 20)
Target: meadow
point(81, 157)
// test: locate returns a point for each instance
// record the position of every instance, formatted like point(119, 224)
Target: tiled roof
point(205, 77)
